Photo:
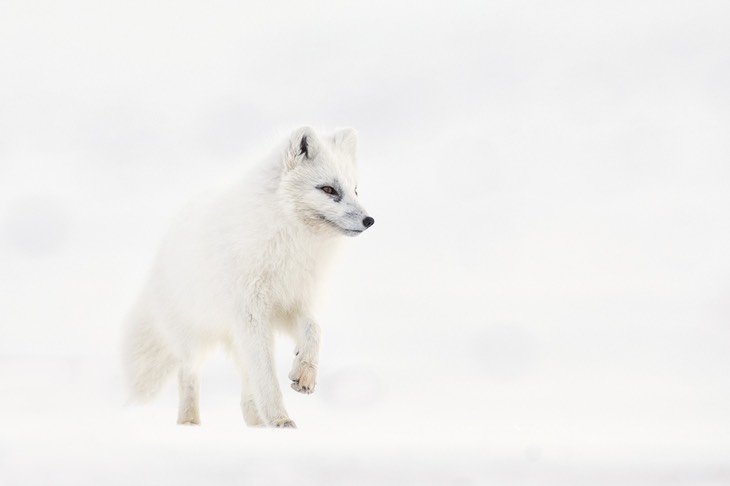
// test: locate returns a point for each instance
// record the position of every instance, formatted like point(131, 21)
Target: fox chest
point(286, 281)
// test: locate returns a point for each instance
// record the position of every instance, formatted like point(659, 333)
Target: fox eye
point(329, 190)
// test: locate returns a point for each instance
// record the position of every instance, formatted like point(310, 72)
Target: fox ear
point(346, 139)
point(304, 145)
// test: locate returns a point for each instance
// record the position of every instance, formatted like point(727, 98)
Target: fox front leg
point(254, 350)
point(303, 373)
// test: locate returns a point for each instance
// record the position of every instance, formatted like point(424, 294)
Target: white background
point(544, 299)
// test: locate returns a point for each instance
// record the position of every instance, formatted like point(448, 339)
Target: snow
point(543, 298)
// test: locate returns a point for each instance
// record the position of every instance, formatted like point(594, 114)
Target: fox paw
point(303, 376)
point(284, 423)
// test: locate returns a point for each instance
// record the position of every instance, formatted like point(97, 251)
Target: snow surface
point(544, 299)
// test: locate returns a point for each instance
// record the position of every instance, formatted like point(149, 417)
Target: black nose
point(368, 222)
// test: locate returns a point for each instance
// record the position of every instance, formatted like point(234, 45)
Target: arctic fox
point(241, 264)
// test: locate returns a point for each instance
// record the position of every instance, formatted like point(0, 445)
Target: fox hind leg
point(248, 405)
point(189, 390)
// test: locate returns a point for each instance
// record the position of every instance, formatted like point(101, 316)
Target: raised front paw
point(303, 376)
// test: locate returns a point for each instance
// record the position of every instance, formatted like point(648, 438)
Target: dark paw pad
point(285, 424)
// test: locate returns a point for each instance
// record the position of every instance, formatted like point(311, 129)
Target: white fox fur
point(241, 264)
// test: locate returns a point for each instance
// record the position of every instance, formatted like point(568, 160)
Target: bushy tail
point(146, 360)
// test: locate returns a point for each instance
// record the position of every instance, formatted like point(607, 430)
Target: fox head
point(319, 182)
